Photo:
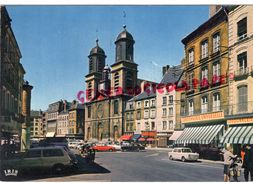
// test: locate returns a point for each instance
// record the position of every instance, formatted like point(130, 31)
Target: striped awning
point(199, 135)
point(176, 135)
point(238, 135)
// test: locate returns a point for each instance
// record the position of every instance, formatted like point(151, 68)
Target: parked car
point(116, 146)
point(55, 158)
point(73, 144)
point(103, 147)
point(183, 153)
point(132, 147)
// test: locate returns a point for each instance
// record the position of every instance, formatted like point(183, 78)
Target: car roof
point(47, 147)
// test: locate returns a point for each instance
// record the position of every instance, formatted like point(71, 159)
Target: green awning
point(199, 135)
point(238, 135)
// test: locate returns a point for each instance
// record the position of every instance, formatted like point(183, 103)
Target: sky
point(56, 40)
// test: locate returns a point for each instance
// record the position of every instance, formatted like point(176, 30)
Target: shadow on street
point(83, 167)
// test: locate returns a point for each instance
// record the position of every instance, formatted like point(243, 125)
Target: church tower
point(96, 65)
point(124, 70)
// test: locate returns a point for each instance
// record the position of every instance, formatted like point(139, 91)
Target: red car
point(103, 147)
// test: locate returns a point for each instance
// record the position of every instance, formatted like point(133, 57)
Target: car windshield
point(186, 150)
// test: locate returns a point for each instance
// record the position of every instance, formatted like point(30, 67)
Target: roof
point(35, 113)
point(216, 19)
point(97, 50)
point(143, 95)
point(125, 35)
point(172, 75)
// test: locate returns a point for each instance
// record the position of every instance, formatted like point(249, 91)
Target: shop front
point(148, 138)
point(239, 133)
point(203, 133)
point(163, 139)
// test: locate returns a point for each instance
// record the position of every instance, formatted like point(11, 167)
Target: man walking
point(227, 155)
point(248, 163)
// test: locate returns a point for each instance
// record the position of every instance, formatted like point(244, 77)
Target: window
point(33, 154)
point(191, 77)
point(146, 103)
point(138, 114)
point(116, 107)
point(191, 56)
point(89, 111)
point(152, 113)
point(171, 111)
point(204, 104)
point(204, 49)
point(116, 81)
point(171, 99)
point(164, 100)
point(164, 125)
point(242, 29)
point(127, 116)
point(242, 63)
point(130, 106)
point(216, 42)
point(131, 115)
point(139, 104)
point(216, 72)
point(52, 152)
point(191, 107)
point(164, 112)
point(91, 65)
point(152, 125)
point(242, 98)
point(138, 126)
point(204, 77)
point(216, 102)
point(170, 124)
point(146, 114)
point(152, 103)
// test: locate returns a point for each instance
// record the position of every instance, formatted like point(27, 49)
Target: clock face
point(100, 110)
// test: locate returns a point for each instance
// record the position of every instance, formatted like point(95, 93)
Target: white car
point(183, 153)
point(116, 146)
point(73, 144)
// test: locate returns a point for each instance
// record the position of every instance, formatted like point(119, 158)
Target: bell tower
point(124, 70)
point(96, 65)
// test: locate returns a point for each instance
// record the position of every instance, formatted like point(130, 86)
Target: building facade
point(36, 129)
point(239, 117)
point(206, 72)
point(62, 124)
point(108, 89)
point(167, 101)
point(76, 120)
point(12, 87)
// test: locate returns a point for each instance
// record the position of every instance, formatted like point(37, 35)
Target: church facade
point(108, 89)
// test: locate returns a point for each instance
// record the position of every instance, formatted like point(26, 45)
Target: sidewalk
point(202, 160)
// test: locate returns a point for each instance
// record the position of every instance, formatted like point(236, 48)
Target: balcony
point(242, 37)
point(241, 74)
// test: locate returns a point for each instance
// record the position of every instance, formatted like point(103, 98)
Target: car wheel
point(171, 158)
point(58, 168)
point(183, 159)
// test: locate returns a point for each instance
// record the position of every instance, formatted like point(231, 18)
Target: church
point(109, 88)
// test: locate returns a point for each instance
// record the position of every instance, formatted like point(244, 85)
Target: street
point(151, 165)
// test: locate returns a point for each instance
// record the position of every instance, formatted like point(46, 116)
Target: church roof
point(125, 35)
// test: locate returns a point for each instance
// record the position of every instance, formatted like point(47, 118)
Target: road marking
point(192, 164)
point(156, 154)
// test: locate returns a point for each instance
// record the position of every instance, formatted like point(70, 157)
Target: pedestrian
point(227, 155)
point(248, 163)
point(243, 152)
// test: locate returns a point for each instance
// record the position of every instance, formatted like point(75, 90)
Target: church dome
point(97, 50)
point(125, 35)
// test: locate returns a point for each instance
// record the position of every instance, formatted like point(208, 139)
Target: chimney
point(165, 69)
point(213, 9)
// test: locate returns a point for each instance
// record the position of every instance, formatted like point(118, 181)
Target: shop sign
point(240, 121)
point(203, 117)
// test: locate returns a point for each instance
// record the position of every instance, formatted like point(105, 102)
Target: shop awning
point(238, 135)
point(142, 139)
point(199, 135)
point(136, 137)
point(126, 137)
point(50, 134)
point(176, 135)
point(150, 139)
